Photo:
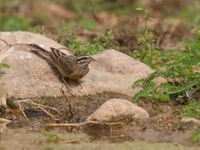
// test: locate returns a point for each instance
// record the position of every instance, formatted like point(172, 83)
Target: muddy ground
point(164, 125)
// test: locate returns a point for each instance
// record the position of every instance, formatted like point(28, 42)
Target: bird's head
point(84, 60)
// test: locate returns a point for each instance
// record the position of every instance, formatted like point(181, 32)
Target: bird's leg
point(66, 85)
point(78, 82)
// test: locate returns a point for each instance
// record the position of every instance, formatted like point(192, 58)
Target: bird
point(69, 66)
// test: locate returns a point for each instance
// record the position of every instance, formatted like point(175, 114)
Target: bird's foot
point(67, 86)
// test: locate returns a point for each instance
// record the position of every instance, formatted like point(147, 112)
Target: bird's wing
point(64, 62)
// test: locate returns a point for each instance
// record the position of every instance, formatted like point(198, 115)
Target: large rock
point(118, 110)
point(32, 76)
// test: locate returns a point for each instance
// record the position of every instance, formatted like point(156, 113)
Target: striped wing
point(63, 62)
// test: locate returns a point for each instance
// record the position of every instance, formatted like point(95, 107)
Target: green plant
point(196, 136)
point(191, 110)
point(98, 44)
point(146, 40)
point(118, 7)
point(181, 68)
point(3, 66)
point(150, 89)
point(5, 4)
point(38, 29)
point(65, 27)
point(190, 14)
point(51, 137)
point(10, 22)
point(88, 24)
point(39, 17)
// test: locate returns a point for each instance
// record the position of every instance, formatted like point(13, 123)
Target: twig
point(29, 101)
point(66, 85)
point(21, 109)
point(5, 42)
point(39, 106)
point(83, 123)
point(69, 103)
point(48, 113)
point(38, 122)
point(116, 136)
point(70, 141)
point(9, 45)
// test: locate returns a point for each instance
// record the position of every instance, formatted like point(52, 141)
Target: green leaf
point(191, 61)
point(150, 18)
point(156, 74)
point(184, 87)
point(161, 96)
point(165, 85)
point(145, 92)
point(174, 64)
point(191, 111)
point(165, 54)
point(141, 40)
point(136, 83)
point(196, 136)
point(88, 24)
point(188, 43)
point(192, 106)
point(4, 66)
point(189, 94)
point(140, 9)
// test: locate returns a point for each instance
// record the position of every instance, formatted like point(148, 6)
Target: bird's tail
point(39, 49)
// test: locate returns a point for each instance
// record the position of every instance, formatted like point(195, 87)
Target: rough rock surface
point(191, 120)
point(118, 109)
point(32, 76)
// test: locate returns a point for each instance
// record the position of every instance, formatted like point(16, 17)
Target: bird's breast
point(78, 74)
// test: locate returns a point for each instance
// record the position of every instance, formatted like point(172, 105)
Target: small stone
point(193, 120)
point(3, 104)
point(118, 110)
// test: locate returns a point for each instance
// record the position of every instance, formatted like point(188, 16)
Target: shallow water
point(19, 135)
point(93, 136)
point(27, 140)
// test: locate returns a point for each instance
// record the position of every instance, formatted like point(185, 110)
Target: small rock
point(3, 104)
point(165, 108)
point(118, 109)
point(193, 120)
point(2, 120)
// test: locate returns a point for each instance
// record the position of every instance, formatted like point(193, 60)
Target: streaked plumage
point(69, 66)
